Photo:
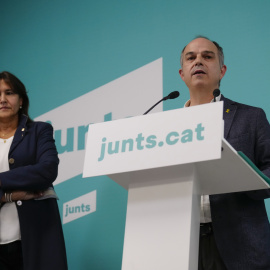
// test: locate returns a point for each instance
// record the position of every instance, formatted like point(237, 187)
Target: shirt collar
point(187, 104)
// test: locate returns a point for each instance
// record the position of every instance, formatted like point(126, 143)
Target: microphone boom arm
point(153, 106)
point(172, 95)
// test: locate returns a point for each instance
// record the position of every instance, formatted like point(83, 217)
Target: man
point(235, 231)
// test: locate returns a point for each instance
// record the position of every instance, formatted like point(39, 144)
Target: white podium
point(166, 161)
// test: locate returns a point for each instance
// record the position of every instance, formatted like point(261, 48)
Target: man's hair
point(219, 48)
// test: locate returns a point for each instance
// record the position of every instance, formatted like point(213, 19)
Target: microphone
point(216, 93)
point(172, 95)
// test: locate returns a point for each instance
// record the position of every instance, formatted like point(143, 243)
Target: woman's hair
point(18, 87)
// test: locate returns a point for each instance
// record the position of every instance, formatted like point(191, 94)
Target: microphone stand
point(154, 106)
point(172, 95)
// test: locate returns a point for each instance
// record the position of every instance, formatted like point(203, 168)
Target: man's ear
point(223, 71)
point(181, 74)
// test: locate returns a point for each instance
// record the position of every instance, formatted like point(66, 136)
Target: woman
point(31, 236)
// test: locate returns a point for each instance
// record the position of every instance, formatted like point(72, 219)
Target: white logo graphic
point(80, 207)
point(129, 95)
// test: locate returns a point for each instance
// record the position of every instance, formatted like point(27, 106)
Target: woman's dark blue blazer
point(33, 162)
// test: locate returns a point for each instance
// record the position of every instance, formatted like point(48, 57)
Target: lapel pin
point(228, 110)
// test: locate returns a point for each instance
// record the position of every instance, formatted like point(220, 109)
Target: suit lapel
point(19, 134)
point(229, 111)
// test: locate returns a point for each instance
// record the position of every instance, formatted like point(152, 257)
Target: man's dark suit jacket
point(240, 223)
point(33, 163)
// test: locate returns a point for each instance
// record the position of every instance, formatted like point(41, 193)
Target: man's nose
point(198, 61)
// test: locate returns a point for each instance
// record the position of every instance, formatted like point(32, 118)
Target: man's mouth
point(198, 71)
